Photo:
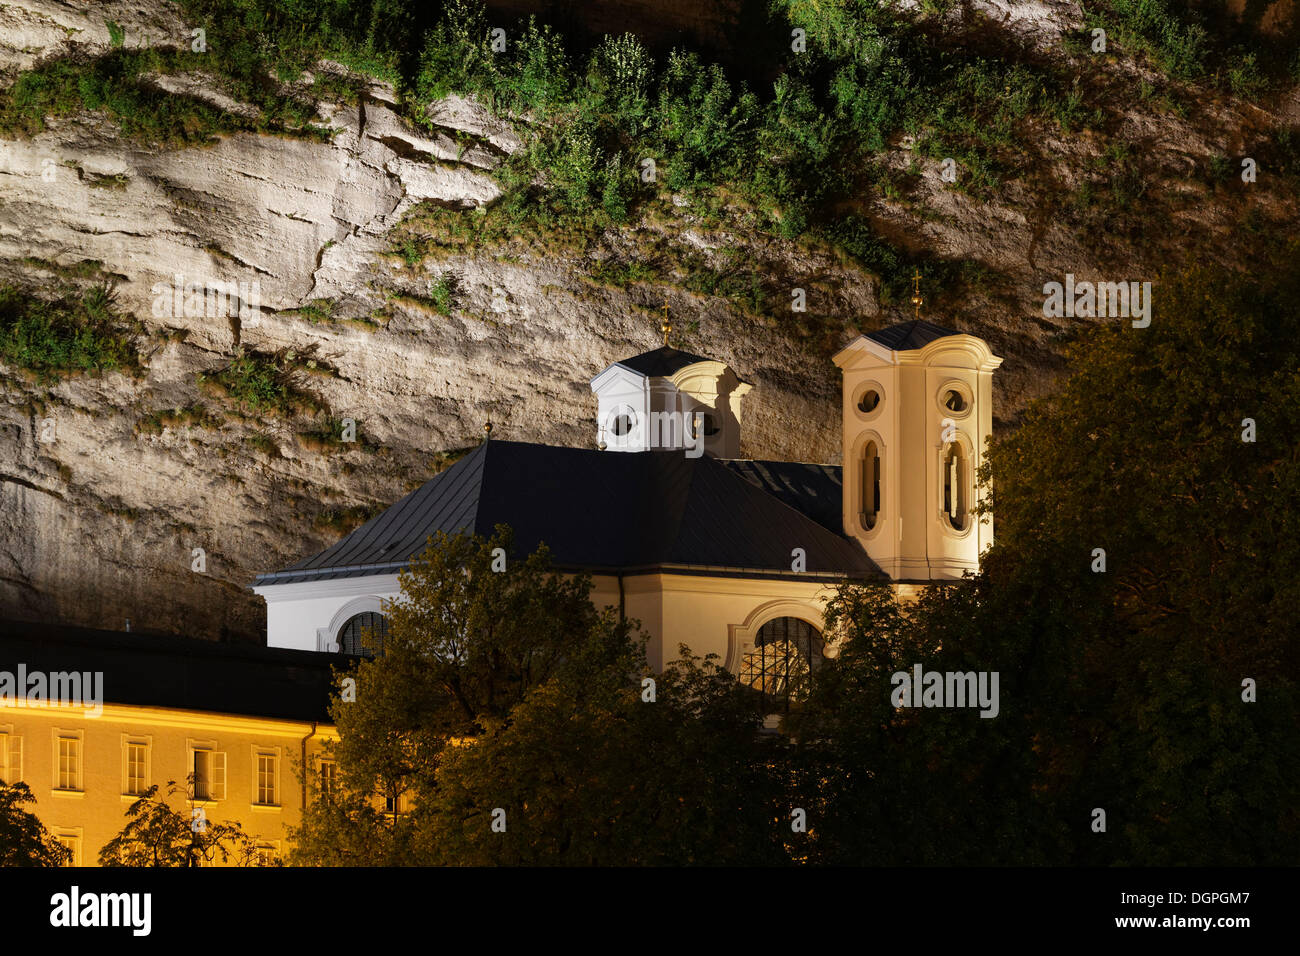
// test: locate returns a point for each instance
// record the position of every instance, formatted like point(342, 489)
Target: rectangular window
point(208, 768)
point(328, 779)
point(268, 853)
point(11, 757)
point(72, 840)
point(264, 768)
point(135, 756)
point(67, 767)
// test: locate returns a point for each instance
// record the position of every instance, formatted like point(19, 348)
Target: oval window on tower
point(869, 401)
point(955, 477)
point(870, 485)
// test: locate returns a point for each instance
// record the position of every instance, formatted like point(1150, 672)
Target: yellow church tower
point(917, 410)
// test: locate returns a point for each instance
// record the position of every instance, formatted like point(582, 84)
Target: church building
point(731, 556)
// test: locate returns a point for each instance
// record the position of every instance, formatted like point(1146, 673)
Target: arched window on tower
point(786, 654)
point(870, 485)
point(955, 477)
point(363, 634)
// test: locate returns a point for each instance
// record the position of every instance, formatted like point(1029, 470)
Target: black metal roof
point(814, 490)
point(661, 362)
point(909, 335)
point(180, 672)
point(608, 512)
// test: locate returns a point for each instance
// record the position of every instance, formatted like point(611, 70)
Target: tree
point(156, 834)
point(1121, 689)
point(589, 771)
point(1144, 454)
point(476, 630)
point(887, 786)
point(24, 841)
point(505, 690)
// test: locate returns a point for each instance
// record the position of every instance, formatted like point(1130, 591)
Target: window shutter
point(219, 776)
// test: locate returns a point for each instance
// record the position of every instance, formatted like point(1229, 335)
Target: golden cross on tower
point(667, 326)
point(916, 292)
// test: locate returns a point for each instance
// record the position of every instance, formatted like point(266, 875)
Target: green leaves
point(262, 384)
point(506, 689)
point(702, 122)
point(157, 834)
point(70, 334)
point(591, 774)
point(24, 841)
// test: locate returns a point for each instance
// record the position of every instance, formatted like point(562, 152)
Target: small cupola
point(669, 399)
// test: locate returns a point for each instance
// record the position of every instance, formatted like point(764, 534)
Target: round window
point(954, 398)
point(869, 401)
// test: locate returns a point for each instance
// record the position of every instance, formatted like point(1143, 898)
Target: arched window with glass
point(363, 634)
point(786, 654)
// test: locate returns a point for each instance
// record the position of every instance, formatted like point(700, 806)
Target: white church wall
point(308, 615)
point(713, 389)
point(661, 408)
point(621, 392)
point(712, 615)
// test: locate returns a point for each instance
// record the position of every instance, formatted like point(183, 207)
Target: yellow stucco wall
point(96, 813)
point(711, 614)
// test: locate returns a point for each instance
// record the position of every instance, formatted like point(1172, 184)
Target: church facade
point(730, 556)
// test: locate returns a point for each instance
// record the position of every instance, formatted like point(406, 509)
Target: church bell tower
point(917, 409)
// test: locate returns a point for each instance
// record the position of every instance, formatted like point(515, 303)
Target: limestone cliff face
point(99, 525)
point(100, 518)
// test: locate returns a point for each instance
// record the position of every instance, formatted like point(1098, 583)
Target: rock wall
point(99, 519)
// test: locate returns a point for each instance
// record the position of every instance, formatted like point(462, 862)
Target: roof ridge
point(781, 461)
